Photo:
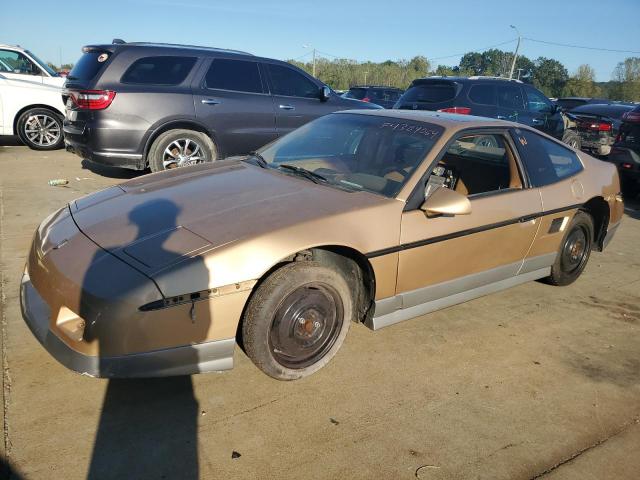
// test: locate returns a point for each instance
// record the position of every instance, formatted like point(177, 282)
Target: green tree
point(473, 63)
point(582, 84)
point(626, 77)
point(549, 76)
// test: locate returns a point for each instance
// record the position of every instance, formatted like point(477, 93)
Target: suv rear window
point(88, 66)
point(357, 93)
point(430, 93)
point(237, 75)
point(165, 70)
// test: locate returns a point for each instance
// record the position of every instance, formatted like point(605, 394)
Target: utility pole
point(365, 77)
point(515, 55)
point(314, 57)
point(519, 72)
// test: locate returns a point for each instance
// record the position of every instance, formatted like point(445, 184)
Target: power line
point(476, 50)
point(580, 46)
point(302, 56)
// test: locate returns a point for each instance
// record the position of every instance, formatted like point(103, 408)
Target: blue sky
point(362, 30)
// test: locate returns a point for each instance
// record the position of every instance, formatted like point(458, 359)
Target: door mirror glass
point(325, 93)
point(446, 202)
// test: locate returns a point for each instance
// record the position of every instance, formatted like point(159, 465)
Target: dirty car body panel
point(152, 277)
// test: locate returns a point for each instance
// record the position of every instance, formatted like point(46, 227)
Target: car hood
point(157, 220)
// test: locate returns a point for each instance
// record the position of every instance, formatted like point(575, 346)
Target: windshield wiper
point(303, 172)
point(259, 159)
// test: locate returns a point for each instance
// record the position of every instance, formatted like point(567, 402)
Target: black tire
point(40, 129)
point(574, 252)
point(173, 141)
point(572, 139)
point(297, 320)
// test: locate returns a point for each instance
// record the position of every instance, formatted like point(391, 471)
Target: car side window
point(16, 62)
point(287, 82)
point(162, 70)
point(238, 75)
point(483, 94)
point(546, 161)
point(537, 102)
point(477, 164)
point(510, 96)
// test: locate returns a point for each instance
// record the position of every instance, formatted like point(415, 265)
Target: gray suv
point(139, 105)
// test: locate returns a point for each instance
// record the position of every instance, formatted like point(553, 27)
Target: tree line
point(547, 74)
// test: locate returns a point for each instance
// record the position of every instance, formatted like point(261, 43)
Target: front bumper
point(183, 360)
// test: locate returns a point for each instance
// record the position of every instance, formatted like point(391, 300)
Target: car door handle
point(501, 117)
point(287, 107)
point(210, 101)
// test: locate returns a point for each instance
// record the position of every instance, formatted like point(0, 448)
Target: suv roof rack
point(178, 45)
point(489, 77)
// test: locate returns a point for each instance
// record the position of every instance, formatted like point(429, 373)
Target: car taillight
point(458, 110)
point(366, 99)
point(600, 127)
point(92, 99)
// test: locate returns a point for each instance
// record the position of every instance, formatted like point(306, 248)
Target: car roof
point(447, 120)
point(160, 46)
point(477, 78)
point(12, 47)
point(375, 86)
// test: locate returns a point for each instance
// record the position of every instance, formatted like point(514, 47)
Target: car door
point(17, 66)
point(511, 104)
point(296, 98)
point(542, 112)
point(553, 170)
point(443, 256)
point(483, 100)
point(232, 100)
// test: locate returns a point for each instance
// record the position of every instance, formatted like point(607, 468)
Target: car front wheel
point(40, 129)
point(297, 320)
point(180, 148)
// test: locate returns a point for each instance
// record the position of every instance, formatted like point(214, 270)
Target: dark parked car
point(625, 152)
point(135, 105)
point(598, 125)
point(492, 97)
point(569, 103)
point(384, 96)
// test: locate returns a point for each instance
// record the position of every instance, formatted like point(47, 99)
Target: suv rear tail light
point(92, 99)
point(366, 99)
point(458, 110)
point(599, 127)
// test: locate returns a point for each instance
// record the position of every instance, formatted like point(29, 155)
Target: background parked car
point(384, 96)
point(19, 64)
point(492, 97)
point(200, 104)
point(625, 153)
point(33, 111)
point(569, 103)
point(598, 125)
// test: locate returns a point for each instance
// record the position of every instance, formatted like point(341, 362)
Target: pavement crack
point(575, 455)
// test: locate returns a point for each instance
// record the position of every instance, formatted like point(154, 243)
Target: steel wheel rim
point(306, 325)
point(183, 152)
point(574, 250)
point(42, 130)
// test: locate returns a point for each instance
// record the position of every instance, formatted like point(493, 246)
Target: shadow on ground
point(10, 141)
point(112, 172)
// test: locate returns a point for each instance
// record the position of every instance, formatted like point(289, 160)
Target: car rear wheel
point(40, 129)
point(180, 148)
point(297, 320)
point(574, 252)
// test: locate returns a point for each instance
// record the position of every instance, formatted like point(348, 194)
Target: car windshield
point(43, 65)
point(354, 152)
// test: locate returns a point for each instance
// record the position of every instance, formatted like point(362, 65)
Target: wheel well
point(599, 211)
point(179, 124)
point(29, 107)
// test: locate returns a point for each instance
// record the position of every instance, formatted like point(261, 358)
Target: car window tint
point(510, 96)
point(478, 164)
point(16, 62)
point(430, 93)
point(569, 104)
point(546, 161)
point(537, 102)
point(235, 75)
point(165, 70)
point(483, 94)
point(89, 65)
point(357, 93)
point(288, 82)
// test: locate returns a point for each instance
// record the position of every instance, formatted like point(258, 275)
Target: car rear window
point(483, 94)
point(357, 93)
point(435, 92)
point(165, 70)
point(237, 75)
point(89, 65)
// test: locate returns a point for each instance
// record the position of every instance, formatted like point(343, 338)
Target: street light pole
point(515, 55)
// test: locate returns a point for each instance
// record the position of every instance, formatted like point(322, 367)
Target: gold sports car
point(371, 217)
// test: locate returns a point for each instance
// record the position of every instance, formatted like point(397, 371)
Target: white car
point(19, 64)
point(33, 111)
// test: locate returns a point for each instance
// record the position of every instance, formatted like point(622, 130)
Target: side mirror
point(446, 202)
point(325, 93)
